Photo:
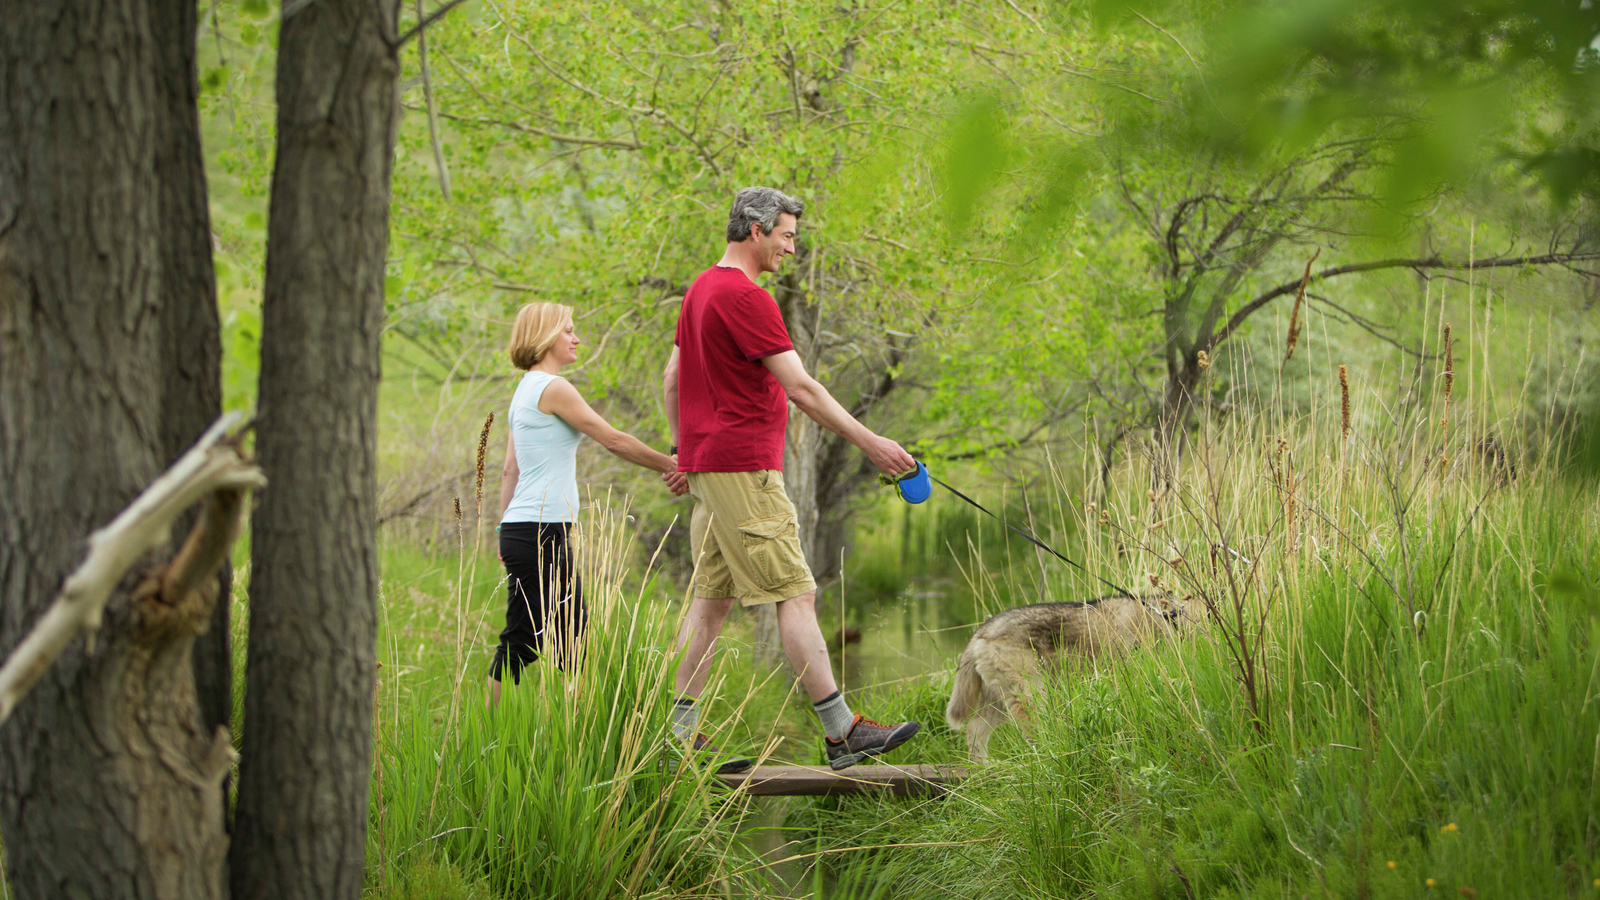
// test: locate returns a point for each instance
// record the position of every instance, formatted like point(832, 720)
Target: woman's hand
point(677, 482)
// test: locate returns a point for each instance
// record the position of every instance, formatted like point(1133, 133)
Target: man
point(727, 385)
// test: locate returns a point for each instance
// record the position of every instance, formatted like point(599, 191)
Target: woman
point(539, 493)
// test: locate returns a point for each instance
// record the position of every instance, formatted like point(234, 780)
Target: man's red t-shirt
point(731, 410)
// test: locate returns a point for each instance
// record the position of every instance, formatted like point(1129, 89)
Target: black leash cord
point(1036, 542)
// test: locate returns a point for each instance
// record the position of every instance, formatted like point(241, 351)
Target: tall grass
point(1391, 692)
point(567, 788)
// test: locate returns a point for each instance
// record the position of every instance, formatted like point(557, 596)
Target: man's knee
point(803, 605)
point(711, 611)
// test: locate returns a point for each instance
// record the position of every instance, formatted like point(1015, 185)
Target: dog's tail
point(966, 695)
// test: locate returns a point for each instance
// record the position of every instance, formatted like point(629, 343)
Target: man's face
point(772, 248)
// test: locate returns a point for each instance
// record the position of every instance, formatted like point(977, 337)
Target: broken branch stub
point(214, 465)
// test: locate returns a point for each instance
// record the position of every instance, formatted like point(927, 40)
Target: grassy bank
point(1392, 695)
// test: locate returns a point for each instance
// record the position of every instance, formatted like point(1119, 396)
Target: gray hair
point(759, 205)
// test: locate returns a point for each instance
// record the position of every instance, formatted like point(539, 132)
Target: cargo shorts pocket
point(772, 544)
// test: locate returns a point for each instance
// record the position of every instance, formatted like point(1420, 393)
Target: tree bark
point(301, 822)
point(192, 375)
point(108, 784)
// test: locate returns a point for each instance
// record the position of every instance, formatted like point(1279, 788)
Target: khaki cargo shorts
point(744, 538)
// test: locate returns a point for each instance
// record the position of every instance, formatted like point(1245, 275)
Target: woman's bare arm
point(509, 473)
point(562, 399)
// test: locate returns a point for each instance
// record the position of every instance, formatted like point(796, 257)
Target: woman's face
point(565, 349)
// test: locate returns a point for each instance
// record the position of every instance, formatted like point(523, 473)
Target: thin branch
point(1370, 327)
point(418, 28)
point(614, 143)
point(433, 115)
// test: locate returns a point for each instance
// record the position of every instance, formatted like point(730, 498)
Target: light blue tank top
point(547, 458)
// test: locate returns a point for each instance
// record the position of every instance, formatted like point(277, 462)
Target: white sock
point(685, 715)
point(835, 715)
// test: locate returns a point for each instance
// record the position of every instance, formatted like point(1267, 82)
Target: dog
point(1008, 656)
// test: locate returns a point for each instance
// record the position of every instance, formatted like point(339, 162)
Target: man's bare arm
point(815, 401)
point(669, 393)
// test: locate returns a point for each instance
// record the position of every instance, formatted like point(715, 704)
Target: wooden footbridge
point(812, 781)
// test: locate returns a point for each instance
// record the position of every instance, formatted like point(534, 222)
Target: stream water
point(920, 630)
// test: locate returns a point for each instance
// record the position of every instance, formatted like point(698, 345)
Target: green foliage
point(1452, 72)
point(598, 172)
point(977, 156)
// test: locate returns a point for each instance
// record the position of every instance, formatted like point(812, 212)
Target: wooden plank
point(813, 781)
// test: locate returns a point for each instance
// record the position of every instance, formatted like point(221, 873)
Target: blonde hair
point(536, 329)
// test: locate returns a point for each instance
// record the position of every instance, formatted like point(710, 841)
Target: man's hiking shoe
point(705, 754)
point(867, 738)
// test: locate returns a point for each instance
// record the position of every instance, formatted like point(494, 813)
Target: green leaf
point(977, 154)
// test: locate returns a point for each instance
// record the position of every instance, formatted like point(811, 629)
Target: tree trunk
point(109, 786)
point(802, 446)
point(1172, 427)
point(818, 464)
point(301, 823)
point(192, 375)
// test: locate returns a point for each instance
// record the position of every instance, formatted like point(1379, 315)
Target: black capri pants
point(544, 597)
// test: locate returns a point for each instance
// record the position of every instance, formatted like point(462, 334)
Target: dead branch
point(576, 139)
point(213, 466)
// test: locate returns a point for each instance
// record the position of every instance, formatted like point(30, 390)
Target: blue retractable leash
point(917, 486)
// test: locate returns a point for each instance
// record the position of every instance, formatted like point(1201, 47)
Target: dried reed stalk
point(1344, 403)
point(1294, 316)
point(1449, 373)
point(483, 451)
point(1449, 388)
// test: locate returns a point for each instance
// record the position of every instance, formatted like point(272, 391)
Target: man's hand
point(888, 456)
